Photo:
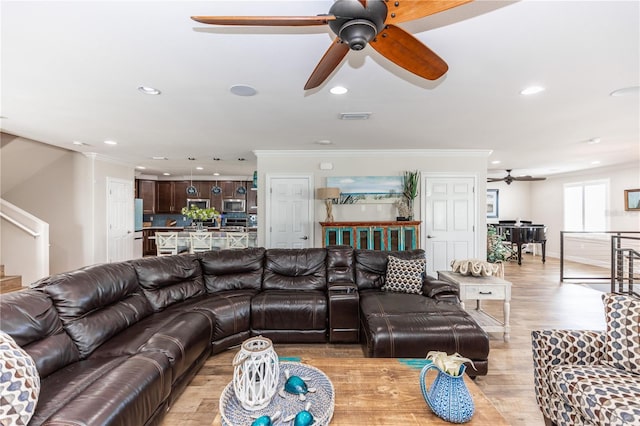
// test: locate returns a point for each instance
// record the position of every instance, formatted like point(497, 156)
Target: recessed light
point(593, 141)
point(354, 115)
point(140, 167)
point(243, 90)
point(595, 162)
point(216, 174)
point(495, 162)
point(531, 90)
point(626, 91)
point(323, 142)
point(78, 143)
point(148, 90)
point(110, 142)
point(159, 158)
point(339, 90)
point(199, 168)
point(166, 174)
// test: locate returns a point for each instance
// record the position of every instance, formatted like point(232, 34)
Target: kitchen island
point(219, 236)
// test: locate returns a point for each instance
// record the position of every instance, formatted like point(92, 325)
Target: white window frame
point(605, 206)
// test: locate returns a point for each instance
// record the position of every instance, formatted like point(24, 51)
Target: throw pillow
point(404, 276)
point(622, 345)
point(19, 383)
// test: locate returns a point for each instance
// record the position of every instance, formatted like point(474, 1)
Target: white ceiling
point(70, 71)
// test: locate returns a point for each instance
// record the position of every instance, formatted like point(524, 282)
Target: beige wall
point(371, 163)
point(65, 189)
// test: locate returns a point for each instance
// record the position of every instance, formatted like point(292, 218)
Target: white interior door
point(449, 221)
point(119, 219)
point(289, 221)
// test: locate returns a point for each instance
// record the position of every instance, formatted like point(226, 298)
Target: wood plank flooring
point(539, 301)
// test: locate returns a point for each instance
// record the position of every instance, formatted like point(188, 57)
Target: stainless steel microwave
point(233, 205)
point(201, 203)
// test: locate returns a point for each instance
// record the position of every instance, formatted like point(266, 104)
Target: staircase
point(9, 283)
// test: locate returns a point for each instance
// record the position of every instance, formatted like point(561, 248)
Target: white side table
point(479, 289)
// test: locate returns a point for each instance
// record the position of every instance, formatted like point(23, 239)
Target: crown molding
point(482, 153)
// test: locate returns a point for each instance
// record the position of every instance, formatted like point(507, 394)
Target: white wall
point(65, 189)
point(547, 201)
point(514, 201)
point(369, 163)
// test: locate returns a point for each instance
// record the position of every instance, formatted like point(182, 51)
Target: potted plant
point(410, 188)
point(198, 215)
point(496, 251)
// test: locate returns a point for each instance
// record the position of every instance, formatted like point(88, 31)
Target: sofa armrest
point(343, 287)
point(440, 290)
point(561, 347)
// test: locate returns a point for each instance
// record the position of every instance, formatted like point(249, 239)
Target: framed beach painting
point(367, 189)
point(492, 203)
point(632, 199)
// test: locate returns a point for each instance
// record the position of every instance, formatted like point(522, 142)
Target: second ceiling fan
point(358, 23)
point(508, 178)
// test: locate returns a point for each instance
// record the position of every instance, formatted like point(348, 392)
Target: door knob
point(430, 236)
point(304, 238)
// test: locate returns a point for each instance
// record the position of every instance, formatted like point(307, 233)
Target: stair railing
point(622, 264)
point(28, 258)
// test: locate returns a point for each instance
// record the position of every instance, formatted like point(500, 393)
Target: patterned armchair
point(591, 377)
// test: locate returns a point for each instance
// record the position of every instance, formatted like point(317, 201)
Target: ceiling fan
point(361, 22)
point(508, 178)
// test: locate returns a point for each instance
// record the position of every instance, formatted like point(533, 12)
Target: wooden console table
point(483, 288)
point(381, 235)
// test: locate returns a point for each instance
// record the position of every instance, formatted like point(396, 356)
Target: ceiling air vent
point(354, 115)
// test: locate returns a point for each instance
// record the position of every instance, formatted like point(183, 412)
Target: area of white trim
point(483, 153)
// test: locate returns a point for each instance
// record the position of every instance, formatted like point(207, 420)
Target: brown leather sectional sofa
point(115, 344)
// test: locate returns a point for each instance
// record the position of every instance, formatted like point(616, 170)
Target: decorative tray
point(321, 401)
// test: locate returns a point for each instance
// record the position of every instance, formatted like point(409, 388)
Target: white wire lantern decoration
point(256, 372)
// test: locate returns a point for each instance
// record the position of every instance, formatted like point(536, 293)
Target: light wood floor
point(539, 301)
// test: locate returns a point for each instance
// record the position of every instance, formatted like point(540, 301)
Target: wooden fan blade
point(405, 50)
point(495, 179)
point(408, 10)
point(331, 59)
point(266, 21)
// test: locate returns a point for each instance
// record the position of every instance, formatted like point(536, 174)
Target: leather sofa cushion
point(340, 264)
point(169, 279)
point(29, 317)
point(123, 390)
point(408, 325)
point(289, 310)
point(232, 269)
point(229, 310)
point(371, 265)
point(96, 302)
point(295, 269)
point(183, 341)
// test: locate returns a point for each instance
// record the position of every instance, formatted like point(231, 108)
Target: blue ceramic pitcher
point(448, 396)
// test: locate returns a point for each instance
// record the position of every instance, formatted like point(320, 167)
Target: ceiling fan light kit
point(358, 23)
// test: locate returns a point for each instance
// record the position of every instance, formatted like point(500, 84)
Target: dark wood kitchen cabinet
point(146, 189)
point(171, 196)
point(148, 245)
point(252, 198)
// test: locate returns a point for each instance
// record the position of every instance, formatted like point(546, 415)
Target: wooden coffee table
point(386, 391)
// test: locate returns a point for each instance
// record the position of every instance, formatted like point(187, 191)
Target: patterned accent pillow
point(622, 337)
point(19, 383)
point(404, 276)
